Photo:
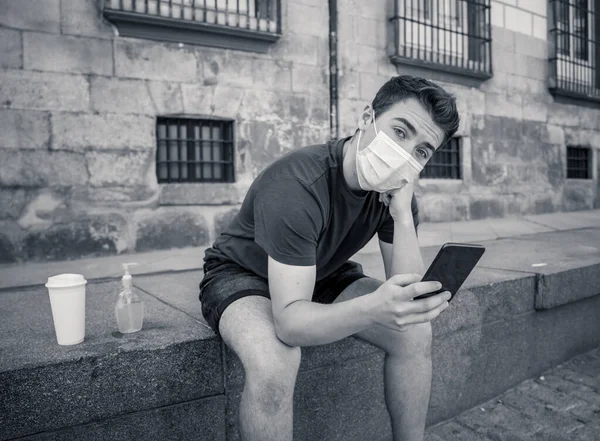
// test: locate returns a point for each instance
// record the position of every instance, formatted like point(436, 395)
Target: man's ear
point(365, 118)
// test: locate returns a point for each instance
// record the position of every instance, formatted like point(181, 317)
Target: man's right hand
point(394, 305)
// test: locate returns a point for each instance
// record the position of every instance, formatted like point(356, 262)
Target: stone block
point(298, 48)
point(563, 115)
point(154, 61)
point(370, 32)
point(578, 197)
point(202, 193)
point(8, 251)
point(497, 13)
point(65, 53)
point(482, 208)
point(442, 208)
point(220, 101)
point(308, 20)
point(258, 104)
point(507, 105)
point(121, 169)
point(582, 137)
point(80, 132)
point(202, 419)
point(589, 118)
point(12, 202)
point(503, 38)
point(555, 135)
point(84, 195)
point(223, 220)
point(31, 14)
point(531, 46)
point(535, 6)
point(349, 84)
point(84, 17)
point(540, 27)
point(35, 168)
point(310, 79)
point(376, 9)
point(43, 91)
point(115, 95)
point(225, 68)
point(166, 97)
point(170, 228)
point(22, 129)
point(370, 85)
point(172, 360)
point(517, 20)
point(11, 49)
point(534, 109)
point(39, 213)
point(272, 74)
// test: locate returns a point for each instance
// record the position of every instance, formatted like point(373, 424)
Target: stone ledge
point(202, 194)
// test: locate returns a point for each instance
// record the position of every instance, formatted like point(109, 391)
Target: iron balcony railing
point(575, 52)
point(447, 35)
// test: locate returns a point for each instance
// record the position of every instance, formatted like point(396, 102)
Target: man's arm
point(299, 321)
point(404, 255)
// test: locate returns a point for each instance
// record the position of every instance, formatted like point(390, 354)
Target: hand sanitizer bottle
point(130, 308)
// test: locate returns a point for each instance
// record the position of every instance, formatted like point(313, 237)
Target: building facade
point(136, 125)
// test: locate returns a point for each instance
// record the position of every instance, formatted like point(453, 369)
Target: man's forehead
point(416, 114)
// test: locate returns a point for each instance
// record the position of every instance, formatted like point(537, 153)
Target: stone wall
point(514, 133)
point(78, 108)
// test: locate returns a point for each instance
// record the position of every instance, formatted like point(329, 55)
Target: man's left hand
point(399, 200)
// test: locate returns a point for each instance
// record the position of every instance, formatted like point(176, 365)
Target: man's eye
point(401, 133)
point(422, 153)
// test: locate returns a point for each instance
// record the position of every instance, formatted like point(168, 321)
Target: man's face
point(408, 123)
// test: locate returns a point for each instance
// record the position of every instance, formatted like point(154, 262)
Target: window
point(578, 163)
point(448, 35)
point(575, 60)
point(445, 163)
point(238, 24)
point(194, 150)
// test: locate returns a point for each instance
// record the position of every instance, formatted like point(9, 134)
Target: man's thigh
point(409, 341)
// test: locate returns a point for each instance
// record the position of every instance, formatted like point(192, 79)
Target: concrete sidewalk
point(562, 404)
point(184, 259)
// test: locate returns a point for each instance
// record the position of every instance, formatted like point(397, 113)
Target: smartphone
point(451, 267)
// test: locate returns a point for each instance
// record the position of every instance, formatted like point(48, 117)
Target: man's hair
point(440, 104)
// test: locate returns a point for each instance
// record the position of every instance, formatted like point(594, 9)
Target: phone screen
point(452, 266)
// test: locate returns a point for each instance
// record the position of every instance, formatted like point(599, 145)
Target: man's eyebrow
point(407, 124)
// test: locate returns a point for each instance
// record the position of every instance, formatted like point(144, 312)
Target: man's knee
point(415, 341)
point(272, 376)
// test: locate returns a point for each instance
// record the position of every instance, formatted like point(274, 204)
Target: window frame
point(457, 166)
point(589, 163)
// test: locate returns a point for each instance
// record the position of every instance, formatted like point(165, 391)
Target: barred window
point(445, 163)
point(448, 35)
point(238, 24)
point(575, 59)
point(194, 150)
point(578, 162)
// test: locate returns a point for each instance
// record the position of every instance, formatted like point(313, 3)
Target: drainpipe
point(334, 120)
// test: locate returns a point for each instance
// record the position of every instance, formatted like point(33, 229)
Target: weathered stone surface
point(117, 95)
point(226, 68)
point(11, 49)
point(437, 208)
point(12, 202)
point(84, 17)
point(202, 194)
point(154, 61)
point(563, 115)
point(370, 85)
point(31, 14)
point(170, 228)
point(39, 213)
point(89, 236)
point(8, 253)
point(221, 101)
point(43, 90)
point(223, 220)
point(481, 208)
point(309, 20)
point(166, 97)
point(578, 197)
point(510, 106)
point(298, 48)
point(24, 129)
point(80, 132)
point(120, 169)
point(35, 168)
point(310, 79)
point(64, 53)
point(272, 74)
point(172, 360)
point(202, 419)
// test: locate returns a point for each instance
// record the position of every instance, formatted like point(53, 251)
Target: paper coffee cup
point(67, 300)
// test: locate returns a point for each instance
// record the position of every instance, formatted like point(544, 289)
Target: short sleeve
point(386, 231)
point(288, 221)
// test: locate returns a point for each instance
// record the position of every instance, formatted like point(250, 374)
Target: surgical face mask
point(383, 165)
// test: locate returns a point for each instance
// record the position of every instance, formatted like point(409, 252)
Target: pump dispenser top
point(127, 280)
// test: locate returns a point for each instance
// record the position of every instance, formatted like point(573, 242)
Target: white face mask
point(383, 165)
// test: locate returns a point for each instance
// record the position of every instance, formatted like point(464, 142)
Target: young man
point(279, 278)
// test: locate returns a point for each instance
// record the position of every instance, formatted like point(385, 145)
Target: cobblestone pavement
point(561, 404)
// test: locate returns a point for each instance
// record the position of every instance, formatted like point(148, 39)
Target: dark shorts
point(225, 282)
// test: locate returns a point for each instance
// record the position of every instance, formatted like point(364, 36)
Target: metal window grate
point(255, 15)
point(454, 35)
point(194, 150)
point(575, 32)
point(578, 162)
point(445, 163)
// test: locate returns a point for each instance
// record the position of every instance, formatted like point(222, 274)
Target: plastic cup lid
point(65, 281)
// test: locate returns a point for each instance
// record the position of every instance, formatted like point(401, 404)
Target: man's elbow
point(284, 331)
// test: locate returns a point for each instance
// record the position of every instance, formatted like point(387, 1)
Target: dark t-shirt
point(300, 211)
